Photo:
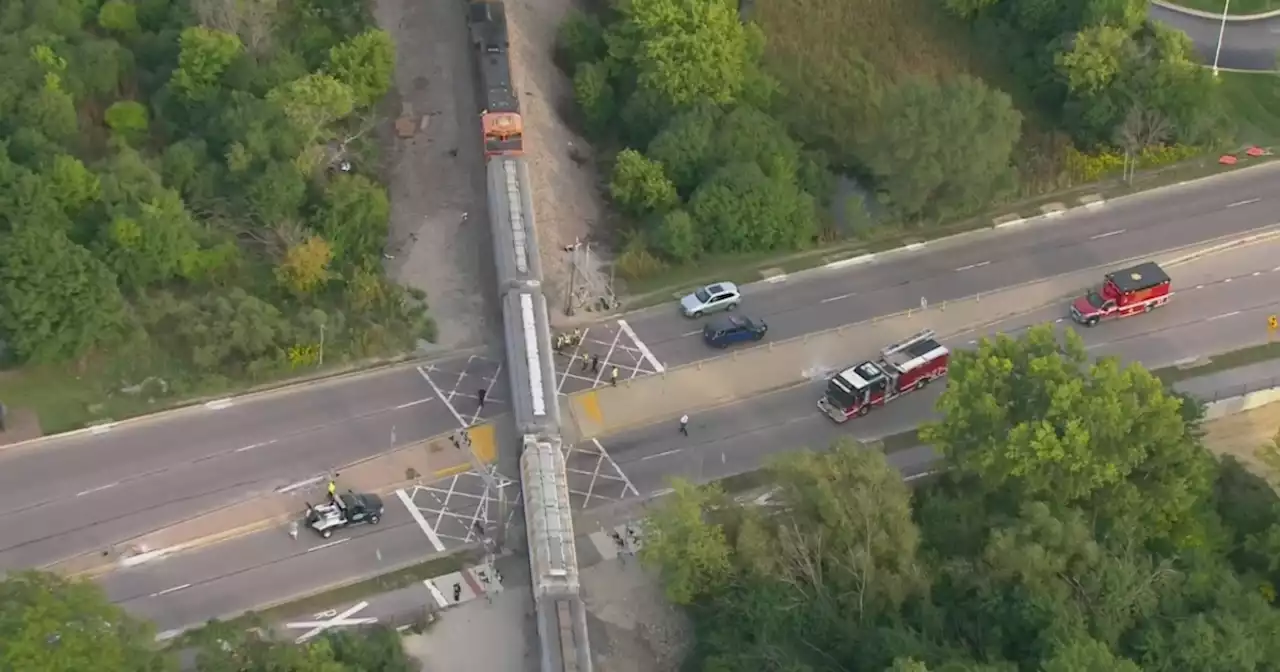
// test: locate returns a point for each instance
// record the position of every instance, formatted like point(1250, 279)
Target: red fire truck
point(902, 367)
point(1140, 289)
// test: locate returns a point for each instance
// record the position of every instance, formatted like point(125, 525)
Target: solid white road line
point(218, 404)
point(644, 349)
point(300, 484)
point(440, 394)
point(1240, 203)
point(422, 522)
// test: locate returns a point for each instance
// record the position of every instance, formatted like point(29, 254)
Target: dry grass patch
point(1244, 435)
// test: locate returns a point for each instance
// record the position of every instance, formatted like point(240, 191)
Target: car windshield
point(1094, 298)
point(702, 295)
point(838, 395)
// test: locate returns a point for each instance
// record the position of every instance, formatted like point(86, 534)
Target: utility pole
point(1222, 29)
point(321, 358)
point(462, 441)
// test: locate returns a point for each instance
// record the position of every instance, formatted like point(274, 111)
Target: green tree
point(1035, 415)
point(353, 216)
point(118, 16)
point(690, 552)
point(595, 96)
point(205, 54)
point(230, 333)
point(676, 236)
point(639, 186)
point(128, 119)
point(684, 147)
point(741, 209)
point(313, 103)
point(365, 64)
point(1097, 58)
point(153, 244)
point(684, 51)
point(580, 39)
point(72, 184)
point(942, 148)
point(56, 300)
point(51, 624)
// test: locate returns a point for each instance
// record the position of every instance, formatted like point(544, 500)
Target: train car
point(535, 405)
point(511, 220)
point(502, 127)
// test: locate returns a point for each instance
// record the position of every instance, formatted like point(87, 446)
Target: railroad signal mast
point(902, 367)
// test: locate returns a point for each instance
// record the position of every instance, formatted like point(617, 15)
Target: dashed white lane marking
point(422, 522)
point(330, 544)
point(1223, 316)
point(218, 404)
point(408, 404)
point(300, 484)
point(914, 246)
point(972, 266)
point(251, 446)
point(644, 349)
point(662, 454)
point(838, 298)
point(100, 488)
point(1240, 203)
point(775, 279)
point(1107, 234)
point(102, 429)
point(167, 591)
point(695, 332)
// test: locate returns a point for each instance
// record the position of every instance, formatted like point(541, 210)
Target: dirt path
point(567, 200)
point(439, 241)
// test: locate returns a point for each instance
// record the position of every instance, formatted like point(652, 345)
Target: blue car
point(726, 331)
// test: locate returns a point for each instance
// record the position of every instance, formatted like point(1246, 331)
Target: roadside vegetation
point(189, 201)
point(724, 138)
point(1237, 7)
point(1080, 525)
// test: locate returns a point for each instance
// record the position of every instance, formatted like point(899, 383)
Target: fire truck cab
point(902, 367)
point(1139, 289)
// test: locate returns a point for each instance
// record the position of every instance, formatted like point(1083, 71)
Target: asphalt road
point(228, 578)
point(1128, 228)
point(1246, 45)
point(1220, 316)
point(89, 491)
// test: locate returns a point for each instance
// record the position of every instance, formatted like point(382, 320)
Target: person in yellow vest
point(333, 492)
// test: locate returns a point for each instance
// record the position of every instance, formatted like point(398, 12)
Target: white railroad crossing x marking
point(330, 619)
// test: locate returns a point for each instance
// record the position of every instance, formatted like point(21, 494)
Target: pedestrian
point(457, 592)
point(478, 527)
point(613, 377)
point(595, 363)
point(480, 395)
point(684, 425)
point(333, 490)
point(618, 541)
point(586, 364)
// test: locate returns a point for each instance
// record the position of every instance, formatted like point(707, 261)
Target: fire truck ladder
point(889, 352)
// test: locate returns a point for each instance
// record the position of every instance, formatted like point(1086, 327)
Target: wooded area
point(721, 150)
point(53, 625)
point(1078, 524)
point(189, 190)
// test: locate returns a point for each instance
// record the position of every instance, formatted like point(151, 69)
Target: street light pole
point(1222, 29)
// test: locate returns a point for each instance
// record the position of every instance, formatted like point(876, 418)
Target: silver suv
point(711, 299)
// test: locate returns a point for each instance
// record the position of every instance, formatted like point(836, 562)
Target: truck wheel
point(373, 520)
point(1149, 307)
point(1091, 322)
point(326, 534)
point(863, 410)
point(922, 383)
